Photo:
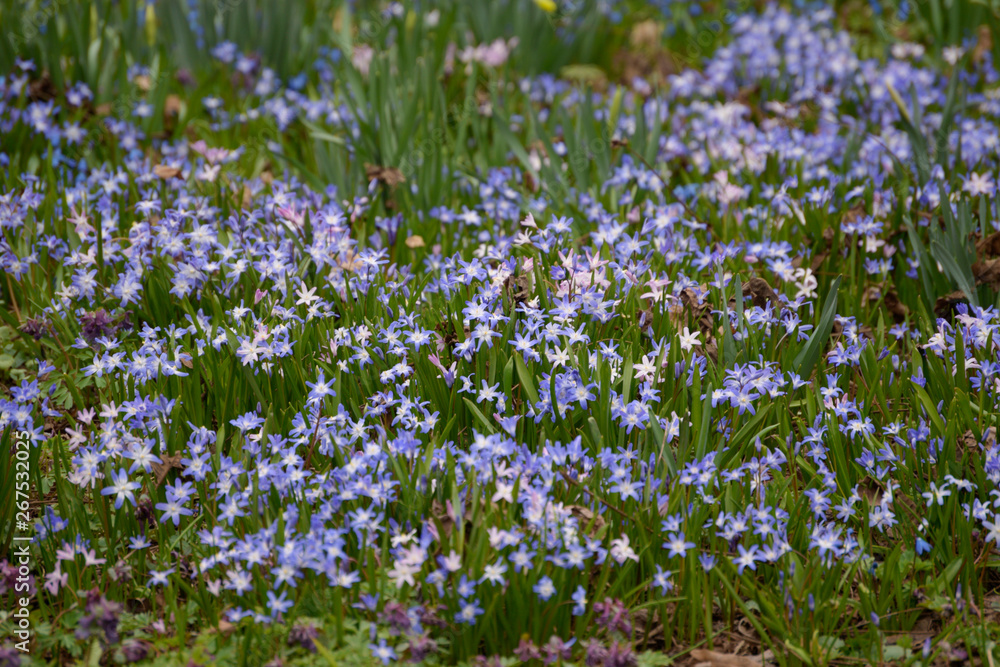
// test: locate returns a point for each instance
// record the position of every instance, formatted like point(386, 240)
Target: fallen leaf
point(987, 272)
point(944, 306)
point(166, 172)
point(716, 659)
point(644, 318)
point(42, 90)
point(161, 470)
point(817, 261)
point(225, 627)
point(351, 262)
point(710, 350)
point(762, 294)
point(871, 491)
point(592, 523)
point(984, 44)
point(896, 308)
point(645, 35)
point(390, 176)
point(445, 517)
point(172, 105)
point(519, 288)
point(967, 441)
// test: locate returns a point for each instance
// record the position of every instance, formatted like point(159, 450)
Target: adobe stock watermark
point(702, 41)
point(23, 534)
point(32, 23)
point(459, 113)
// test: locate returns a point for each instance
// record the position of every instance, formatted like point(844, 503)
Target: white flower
point(621, 551)
point(978, 184)
point(688, 339)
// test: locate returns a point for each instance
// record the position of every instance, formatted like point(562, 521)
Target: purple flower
point(101, 615)
point(134, 650)
point(303, 634)
point(526, 650)
point(557, 649)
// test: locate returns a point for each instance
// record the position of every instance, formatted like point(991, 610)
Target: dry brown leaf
point(591, 523)
point(896, 308)
point(529, 181)
point(817, 260)
point(645, 35)
point(415, 242)
point(351, 262)
point(161, 470)
point(644, 318)
point(991, 608)
point(43, 89)
point(987, 272)
point(851, 215)
point(944, 306)
point(167, 172)
point(716, 659)
point(762, 294)
point(647, 626)
point(654, 67)
point(224, 627)
point(967, 441)
point(711, 350)
point(518, 288)
point(871, 491)
point(390, 176)
point(444, 517)
point(689, 302)
point(989, 246)
point(172, 105)
point(984, 44)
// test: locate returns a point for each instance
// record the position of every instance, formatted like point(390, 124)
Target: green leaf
point(480, 417)
point(326, 653)
point(931, 408)
point(961, 274)
point(527, 381)
point(807, 358)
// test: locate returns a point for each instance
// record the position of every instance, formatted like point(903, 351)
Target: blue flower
point(747, 558)
point(468, 612)
point(383, 652)
point(545, 588)
point(922, 547)
point(580, 598)
point(278, 604)
point(121, 487)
